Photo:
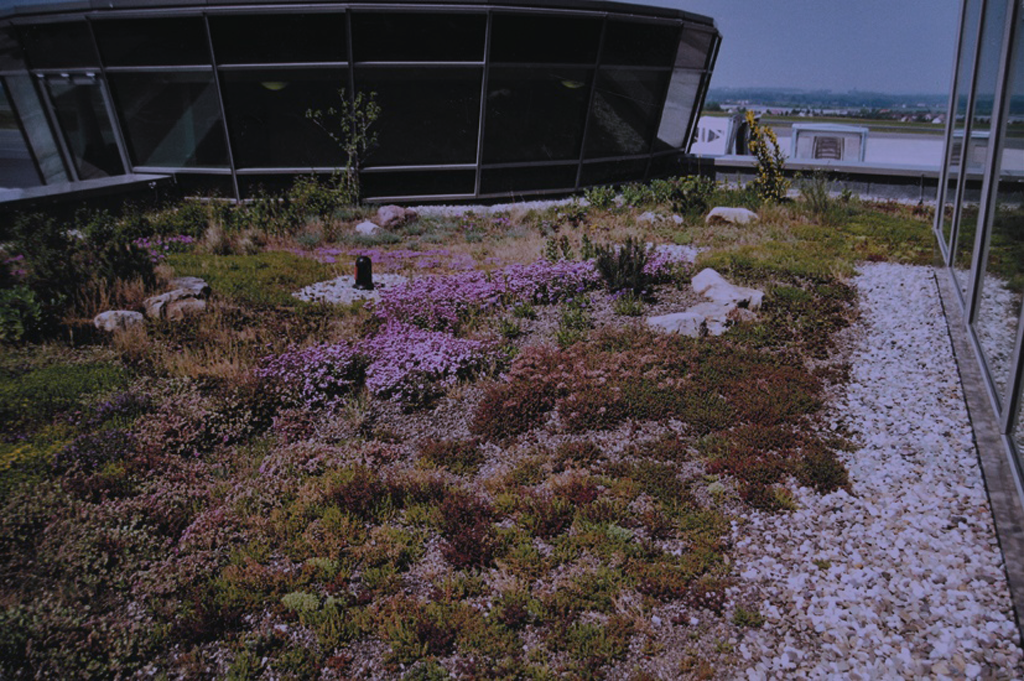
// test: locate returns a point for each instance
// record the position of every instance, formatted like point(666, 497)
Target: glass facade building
point(478, 100)
point(980, 221)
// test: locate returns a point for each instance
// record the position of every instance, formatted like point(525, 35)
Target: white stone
point(733, 216)
point(367, 228)
point(713, 285)
point(684, 323)
point(194, 285)
point(113, 320)
point(394, 216)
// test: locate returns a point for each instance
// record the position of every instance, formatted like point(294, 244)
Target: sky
point(890, 46)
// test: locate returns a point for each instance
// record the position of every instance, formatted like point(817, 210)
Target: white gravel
point(903, 579)
point(341, 290)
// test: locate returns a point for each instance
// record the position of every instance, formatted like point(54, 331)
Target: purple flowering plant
point(159, 247)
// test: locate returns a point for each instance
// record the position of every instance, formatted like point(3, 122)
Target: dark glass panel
point(152, 42)
point(668, 165)
point(196, 184)
point(625, 112)
point(418, 182)
point(679, 103)
point(253, 186)
point(62, 45)
point(267, 121)
point(535, 114)
point(975, 153)
point(632, 43)
point(84, 120)
point(428, 116)
point(10, 50)
point(539, 39)
point(515, 180)
point(418, 37)
point(962, 88)
point(610, 172)
point(170, 120)
point(694, 46)
point(33, 120)
point(1002, 292)
point(279, 38)
point(16, 167)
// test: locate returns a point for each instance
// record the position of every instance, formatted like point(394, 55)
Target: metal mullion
point(281, 66)
point(223, 110)
point(940, 194)
point(21, 127)
point(69, 159)
point(164, 170)
point(529, 164)
point(961, 185)
point(482, 121)
point(590, 101)
point(411, 168)
point(420, 64)
point(162, 68)
point(540, 65)
point(606, 159)
point(990, 183)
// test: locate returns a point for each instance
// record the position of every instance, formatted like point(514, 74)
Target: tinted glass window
point(16, 167)
point(83, 119)
point(152, 42)
point(266, 113)
point(170, 119)
point(693, 49)
point(534, 39)
point(33, 119)
point(205, 185)
point(639, 44)
point(428, 116)
point(418, 182)
point(608, 172)
point(58, 45)
point(514, 180)
point(279, 38)
point(679, 103)
point(10, 51)
point(535, 114)
point(625, 112)
point(418, 37)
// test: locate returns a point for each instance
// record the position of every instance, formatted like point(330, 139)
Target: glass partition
point(33, 120)
point(974, 152)
point(266, 113)
point(16, 166)
point(536, 39)
point(171, 119)
point(420, 36)
point(624, 112)
point(83, 117)
point(429, 116)
point(152, 42)
point(632, 43)
point(962, 89)
point(535, 114)
point(59, 45)
point(679, 104)
point(279, 38)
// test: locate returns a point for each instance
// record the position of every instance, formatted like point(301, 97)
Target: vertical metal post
point(481, 123)
point(220, 103)
point(590, 101)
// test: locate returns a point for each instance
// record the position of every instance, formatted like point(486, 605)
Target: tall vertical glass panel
point(691, 60)
point(33, 121)
point(171, 119)
point(85, 122)
point(974, 151)
point(962, 90)
point(16, 166)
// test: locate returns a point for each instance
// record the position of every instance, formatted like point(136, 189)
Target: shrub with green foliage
point(622, 267)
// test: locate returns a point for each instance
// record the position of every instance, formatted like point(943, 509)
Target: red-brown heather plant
point(467, 529)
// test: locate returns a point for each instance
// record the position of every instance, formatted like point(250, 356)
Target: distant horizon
point(870, 46)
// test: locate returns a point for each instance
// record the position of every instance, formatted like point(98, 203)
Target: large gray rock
point(713, 286)
point(394, 216)
point(367, 228)
point(180, 302)
point(732, 216)
point(114, 320)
